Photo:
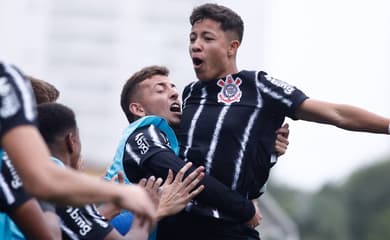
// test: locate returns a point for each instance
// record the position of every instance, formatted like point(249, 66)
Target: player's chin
point(203, 76)
point(175, 119)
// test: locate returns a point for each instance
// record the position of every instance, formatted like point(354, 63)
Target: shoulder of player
point(10, 76)
point(151, 133)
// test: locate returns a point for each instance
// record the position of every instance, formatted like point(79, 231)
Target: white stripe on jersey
point(185, 99)
point(153, 133)
point(247, 131)
point(26, 94)
point(215, 213)
point(193, 123)
point(273, 94)
point(274, 158)
point(7, 192)
point(132, 154)
point(69, 233)
point(215, 139)
point(97, 217)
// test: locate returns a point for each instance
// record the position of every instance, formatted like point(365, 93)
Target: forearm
point(214, 194)
point(32, 222)
point(343, 116)
point(357, 119)
point(231, 202)
point(45, 180)
point(74, 188)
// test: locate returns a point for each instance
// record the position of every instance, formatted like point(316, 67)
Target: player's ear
point(137, 109)
point(233, 46)
point(70, 142)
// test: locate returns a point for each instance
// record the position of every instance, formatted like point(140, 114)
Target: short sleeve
point(144, 143)
point(17, 105)
point(83, 223)
point(280, 96)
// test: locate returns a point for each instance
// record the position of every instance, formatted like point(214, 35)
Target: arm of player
point(176, 192)
point(33, 223)
point(215, 193)
point(110, 210)
point(25, 146)
point(343, 116)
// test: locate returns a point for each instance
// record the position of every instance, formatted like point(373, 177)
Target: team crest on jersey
point(230, 92)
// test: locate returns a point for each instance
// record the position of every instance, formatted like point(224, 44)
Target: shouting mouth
point(197, 62)
point(175, 107)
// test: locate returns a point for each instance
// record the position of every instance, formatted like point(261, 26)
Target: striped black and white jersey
point(83, 223)
point(148, 153)
point(228, 126)
point(17, 105)
point(12, 193)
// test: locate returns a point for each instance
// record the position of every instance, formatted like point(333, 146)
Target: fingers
point(280, 139)
point(137, 199)
point(169, 178)
point(284, 130)
point(120, 177)
point(190, 183)
point(280, 148)
point(195, 192)
point(281, 142)
point(194, 178)
point(258, 216)
point(142, 182)
point(183, 170)
point(157, 184)
point(153, 183)
point(114, 179)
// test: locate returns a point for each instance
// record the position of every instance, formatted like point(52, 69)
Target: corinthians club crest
point(230, 91)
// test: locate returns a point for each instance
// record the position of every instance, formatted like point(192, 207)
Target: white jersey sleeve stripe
point(27, 99)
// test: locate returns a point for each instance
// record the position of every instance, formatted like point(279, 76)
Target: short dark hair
point(130, 88)
point(55, 119)
point(229, 20)
point(43, 91)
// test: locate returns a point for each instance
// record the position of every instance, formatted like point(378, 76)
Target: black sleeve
point(280, 96)
point(215, 193)
point(83, 222)
point(141, 145)
point(17, 105)
point(12, 192)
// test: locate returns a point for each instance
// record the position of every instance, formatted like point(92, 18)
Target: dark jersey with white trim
point(147, 153)
point(228, 125)
point(17, 105)
point(12, 193)
point(83, 223)
point(16, 109)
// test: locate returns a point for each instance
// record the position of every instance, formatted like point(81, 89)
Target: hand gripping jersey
point(228, 125)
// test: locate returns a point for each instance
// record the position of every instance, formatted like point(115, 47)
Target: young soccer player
point(230, 117)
